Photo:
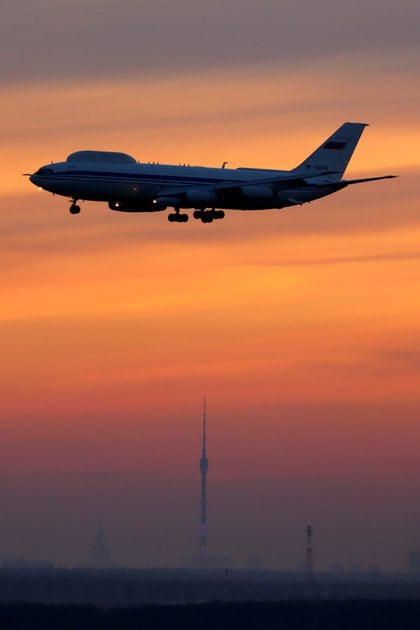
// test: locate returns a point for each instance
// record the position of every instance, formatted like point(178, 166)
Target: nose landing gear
point(74, 208)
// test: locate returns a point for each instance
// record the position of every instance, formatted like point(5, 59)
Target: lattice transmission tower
point(309, 553)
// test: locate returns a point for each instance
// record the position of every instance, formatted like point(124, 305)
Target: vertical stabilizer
point(334, 153)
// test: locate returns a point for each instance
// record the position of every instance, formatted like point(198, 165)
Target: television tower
point(204, 466)
point(309, 560)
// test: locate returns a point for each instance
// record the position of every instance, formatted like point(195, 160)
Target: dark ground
point(166, 599)
point(289, 615)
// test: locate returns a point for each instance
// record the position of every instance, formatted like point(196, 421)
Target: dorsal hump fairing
point(334, 153)
point(112, 157)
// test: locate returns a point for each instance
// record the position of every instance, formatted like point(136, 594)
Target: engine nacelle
point(136, 206)
point(258, 192)
point(200, 197)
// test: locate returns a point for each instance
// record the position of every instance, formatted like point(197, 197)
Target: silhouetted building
point(100, 554)
point(213, 561)
point(414, 561)
point(356, 569)
point(24, 563)
point(254, 563)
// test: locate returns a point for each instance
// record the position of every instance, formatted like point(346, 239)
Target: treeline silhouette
point(133, 588)
point(289, 615)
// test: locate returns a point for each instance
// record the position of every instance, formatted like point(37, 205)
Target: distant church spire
point(100, 553)
point(204, 466)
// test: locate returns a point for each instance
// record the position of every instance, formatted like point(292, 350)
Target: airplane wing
point(285, 181)
point(168, 195)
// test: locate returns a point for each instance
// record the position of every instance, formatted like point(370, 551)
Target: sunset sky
point(301, 326)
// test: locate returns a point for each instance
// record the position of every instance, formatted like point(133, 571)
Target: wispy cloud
point(339, 260)
point(112, 38)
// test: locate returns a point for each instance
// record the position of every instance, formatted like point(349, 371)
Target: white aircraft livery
point(131, 186)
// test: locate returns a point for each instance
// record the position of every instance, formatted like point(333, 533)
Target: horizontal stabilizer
point(343, 183)
point(368, 179)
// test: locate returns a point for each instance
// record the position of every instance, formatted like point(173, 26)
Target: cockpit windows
point(44, 170)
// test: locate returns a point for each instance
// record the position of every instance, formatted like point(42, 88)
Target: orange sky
point(300, 326)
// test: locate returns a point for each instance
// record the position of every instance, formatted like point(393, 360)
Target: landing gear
point(177, 217)
point(207, 216)
point(74, 208)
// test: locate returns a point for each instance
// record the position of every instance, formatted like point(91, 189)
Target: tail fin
point(334, 154)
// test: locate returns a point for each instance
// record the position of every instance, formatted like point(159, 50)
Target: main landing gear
point(207, 216)
point(177, 217)
point(74, 208)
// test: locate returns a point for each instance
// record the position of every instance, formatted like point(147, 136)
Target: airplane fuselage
point(131, 186)
point(135, 186)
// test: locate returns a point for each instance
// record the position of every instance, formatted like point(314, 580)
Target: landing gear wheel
point(74, 209)
point(178, 218)
point(207, 216)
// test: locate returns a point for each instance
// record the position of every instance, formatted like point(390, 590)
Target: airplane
point(131, 186)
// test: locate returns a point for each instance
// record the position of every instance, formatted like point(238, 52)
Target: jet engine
point(258, 192)
point(200, 197)
point(136, 206)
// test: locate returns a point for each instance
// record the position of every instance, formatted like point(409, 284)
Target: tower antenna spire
point(204, 466)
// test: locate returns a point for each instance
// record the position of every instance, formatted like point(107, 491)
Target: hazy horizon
point(300, 326)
